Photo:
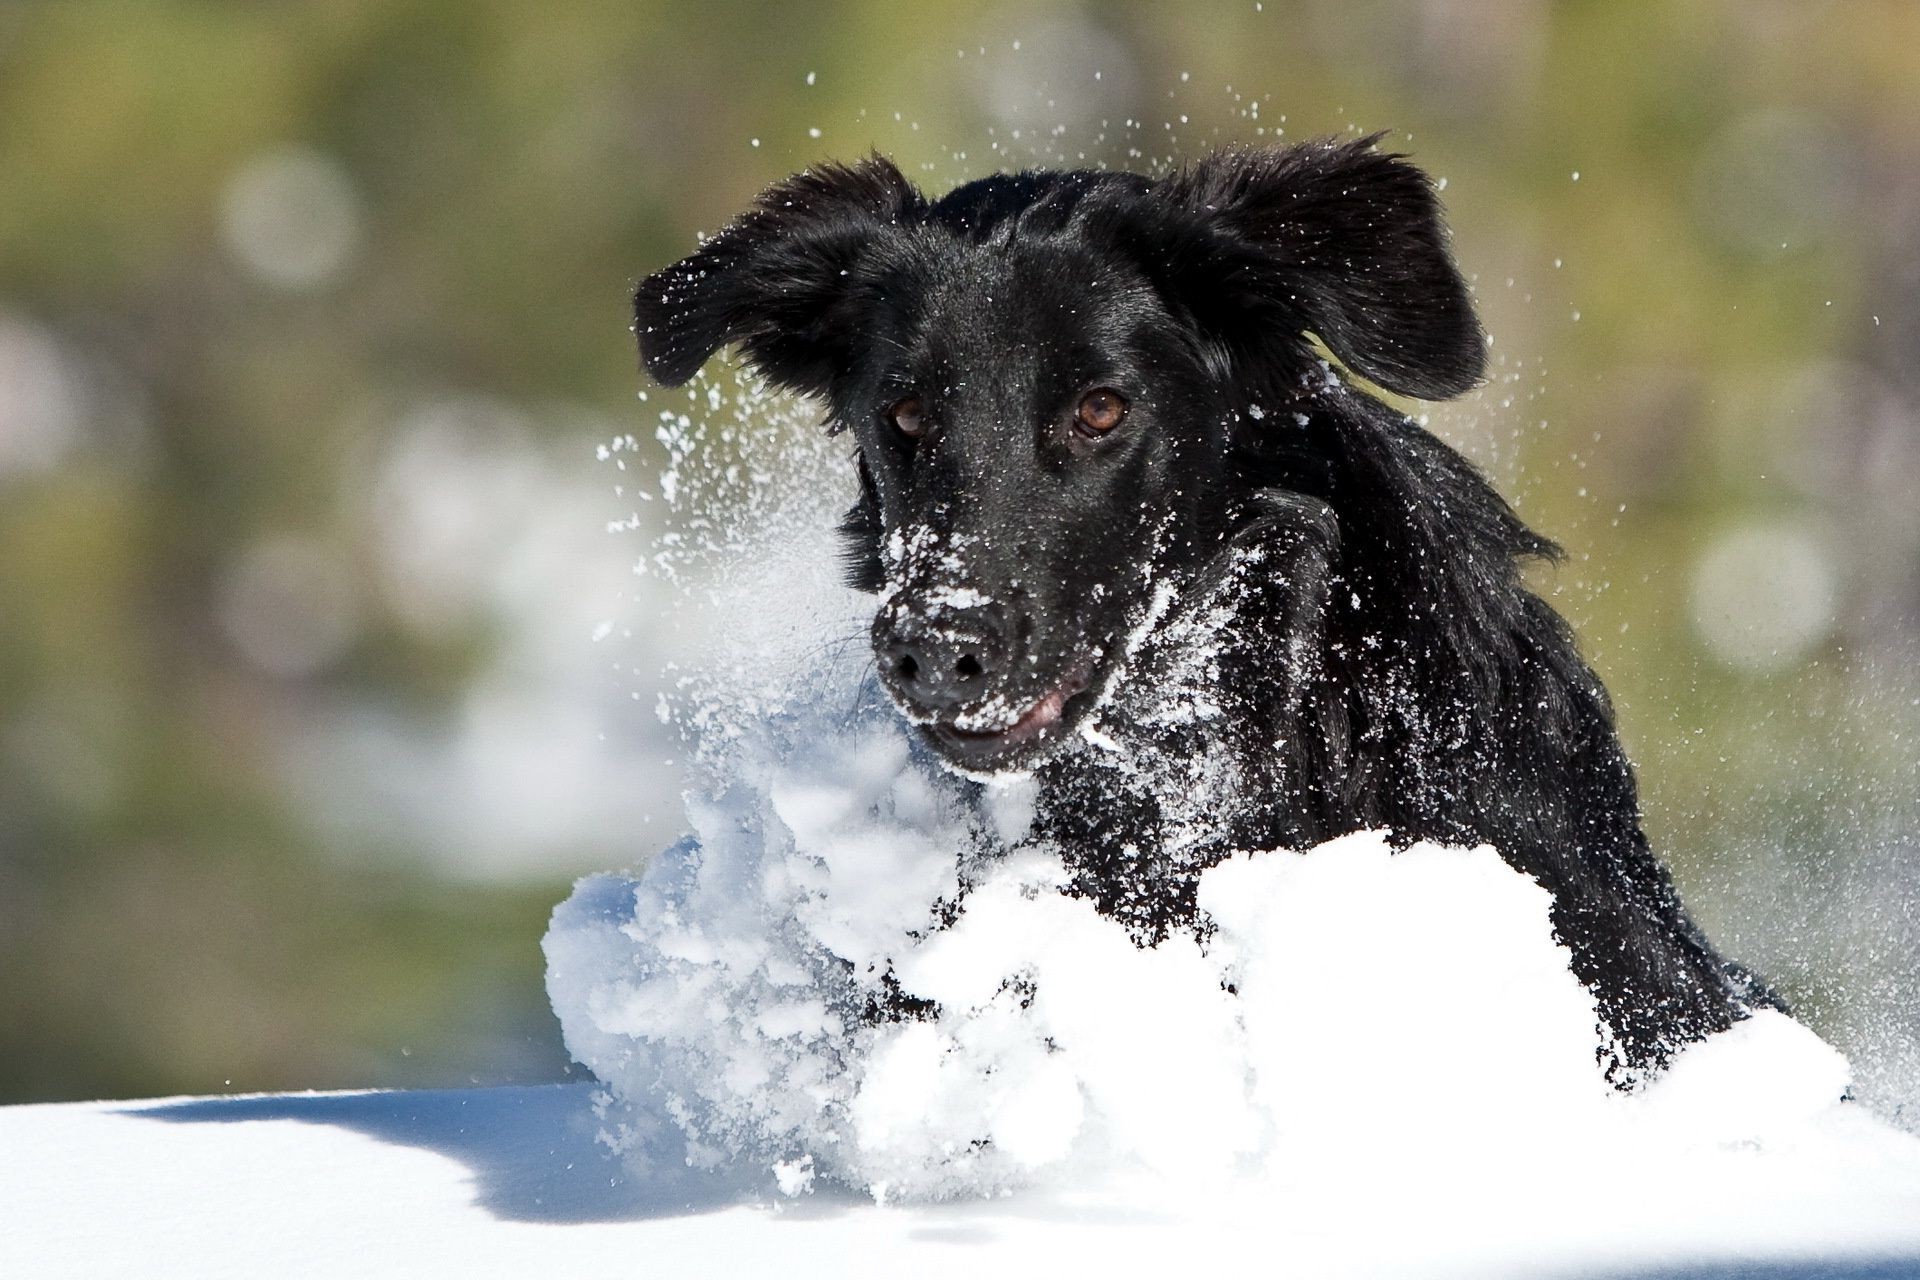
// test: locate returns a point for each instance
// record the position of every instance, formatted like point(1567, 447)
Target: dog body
point(1133, 534)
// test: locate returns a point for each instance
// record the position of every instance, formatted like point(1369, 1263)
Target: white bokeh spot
point(1764, 595)
point(292, 218)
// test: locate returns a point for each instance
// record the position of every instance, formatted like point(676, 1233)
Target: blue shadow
point(533, 1151)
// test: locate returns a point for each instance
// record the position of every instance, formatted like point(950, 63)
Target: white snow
point(513, 1182)
point(1365, 1037)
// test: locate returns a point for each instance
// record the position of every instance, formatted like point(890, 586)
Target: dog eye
point(1100, 411)
point(908, 417)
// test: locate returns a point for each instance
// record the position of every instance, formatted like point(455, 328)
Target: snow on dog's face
point(1034, 443)
point(1045, 375)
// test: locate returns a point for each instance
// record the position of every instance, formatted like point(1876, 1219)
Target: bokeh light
point(288, 606)
point(291, 218)
point(41, 409)
point(1764, 596)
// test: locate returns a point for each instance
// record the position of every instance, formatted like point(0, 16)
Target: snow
point(515, 1181)
point(480, 1183)
point(1364, 1034)
point(512, 1182)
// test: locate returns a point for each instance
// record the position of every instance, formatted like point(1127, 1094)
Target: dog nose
point(944, 661)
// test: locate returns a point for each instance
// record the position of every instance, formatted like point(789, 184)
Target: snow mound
point(803, 983)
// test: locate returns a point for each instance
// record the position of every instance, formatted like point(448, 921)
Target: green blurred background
point(313, 314)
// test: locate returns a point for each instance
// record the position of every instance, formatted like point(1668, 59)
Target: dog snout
point(941, 661)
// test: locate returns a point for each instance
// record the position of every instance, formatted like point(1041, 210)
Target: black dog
point(1133, 535)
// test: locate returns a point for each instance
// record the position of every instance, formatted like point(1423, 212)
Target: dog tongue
point(1047, 711)
point(1039, 716)
point(1042, 714)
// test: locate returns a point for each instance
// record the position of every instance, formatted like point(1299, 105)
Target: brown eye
point(908, 418)
point(1100, 411)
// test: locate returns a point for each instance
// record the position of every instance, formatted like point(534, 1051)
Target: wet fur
point(1324, 622)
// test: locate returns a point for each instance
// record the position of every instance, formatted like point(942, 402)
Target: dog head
point(1046, 377)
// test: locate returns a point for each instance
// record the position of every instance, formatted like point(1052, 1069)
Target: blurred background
point(323, 667)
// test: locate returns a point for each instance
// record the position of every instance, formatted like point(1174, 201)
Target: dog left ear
point(1336, 239)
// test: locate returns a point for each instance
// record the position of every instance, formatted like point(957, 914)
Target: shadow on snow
point(532, 1150)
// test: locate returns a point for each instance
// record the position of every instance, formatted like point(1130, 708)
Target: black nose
point(943, 658)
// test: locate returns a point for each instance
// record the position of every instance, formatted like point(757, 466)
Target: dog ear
point(776, 280)
point(1336, 239)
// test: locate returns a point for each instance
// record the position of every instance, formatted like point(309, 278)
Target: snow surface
point(513, 1183)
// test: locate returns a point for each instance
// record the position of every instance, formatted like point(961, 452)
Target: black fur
point(1264, 610)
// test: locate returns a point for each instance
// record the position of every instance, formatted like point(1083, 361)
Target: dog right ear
point(776, 281)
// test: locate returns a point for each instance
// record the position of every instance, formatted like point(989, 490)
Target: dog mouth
point(995, 733)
